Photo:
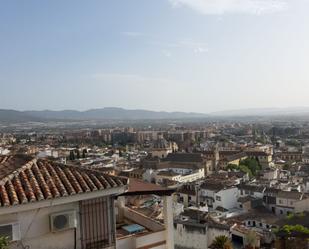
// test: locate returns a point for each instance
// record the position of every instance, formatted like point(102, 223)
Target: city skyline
point(167, 55)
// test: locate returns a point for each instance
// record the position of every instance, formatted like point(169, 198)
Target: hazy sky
point(173, 55)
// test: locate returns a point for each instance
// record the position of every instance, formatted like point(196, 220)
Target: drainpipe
point(168, 221)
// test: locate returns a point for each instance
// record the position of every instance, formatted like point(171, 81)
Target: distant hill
point(11, 116)
point(108, 113)
point(289, 111)
point(113, 113)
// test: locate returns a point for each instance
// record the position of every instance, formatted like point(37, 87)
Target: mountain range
point(108, 113)
point(113, 113)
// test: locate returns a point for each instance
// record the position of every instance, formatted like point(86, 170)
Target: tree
point(4, 242)
point(242, 168)
point(221, 242)
point(251, 164)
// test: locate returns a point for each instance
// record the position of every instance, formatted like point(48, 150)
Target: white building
point(217, 195)
point(194, 229)
point(43, 205)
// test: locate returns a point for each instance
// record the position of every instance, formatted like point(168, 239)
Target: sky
point(172, 55)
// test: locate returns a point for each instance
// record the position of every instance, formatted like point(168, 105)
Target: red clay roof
point(25, 180)
point(139, 187)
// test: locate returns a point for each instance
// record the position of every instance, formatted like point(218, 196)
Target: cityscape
point(169, 124)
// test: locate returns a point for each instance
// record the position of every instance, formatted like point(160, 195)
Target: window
point(280, 201)
point(261, 225)
point(218, 198)
point(90, 210)
point(281, 212)
point(6, 231)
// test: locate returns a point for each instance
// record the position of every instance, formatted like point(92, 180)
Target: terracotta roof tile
point(24, 180)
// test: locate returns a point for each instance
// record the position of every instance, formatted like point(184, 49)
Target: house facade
point(46, 205)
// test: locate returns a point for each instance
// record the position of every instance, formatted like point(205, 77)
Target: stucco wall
point(228, 198)
point(35, 228)
point(212, 233)
point(187, 238)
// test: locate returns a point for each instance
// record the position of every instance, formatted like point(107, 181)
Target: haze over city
point(171, 55)
point(163, 124)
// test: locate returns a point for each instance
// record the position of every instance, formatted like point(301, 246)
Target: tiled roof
point(257, 153)
point(168, 173)
point(254, 188)
point(26, 180)
point(184, 157)
point(139, 187)
point(291, 195)
point(237, 156)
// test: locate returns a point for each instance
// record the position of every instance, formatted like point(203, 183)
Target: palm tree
point(221, 242)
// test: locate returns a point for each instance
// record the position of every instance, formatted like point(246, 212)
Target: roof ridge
point(14, 173)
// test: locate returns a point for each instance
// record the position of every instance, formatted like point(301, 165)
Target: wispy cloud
point(132, 34)
point(215, 7)
point(166, 46)
point(130, 78)
point(190, 45)
point(167, 53)
point(196, 47)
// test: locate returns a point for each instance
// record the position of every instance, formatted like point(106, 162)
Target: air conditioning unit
point(63, 221)
point(11, 230)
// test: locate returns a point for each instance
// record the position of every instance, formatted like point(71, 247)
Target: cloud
point(191, 45)
point(194, 46)
point(132, 34)
point(166, 53)
point(130, 79)
point(218, 7)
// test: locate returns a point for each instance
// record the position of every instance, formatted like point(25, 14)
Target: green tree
point(221, 242)
point(4, 242)
point(242, 168)
point(251, 164)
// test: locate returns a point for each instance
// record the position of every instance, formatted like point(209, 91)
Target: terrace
point(140, 227)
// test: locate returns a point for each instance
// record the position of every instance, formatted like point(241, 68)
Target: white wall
point(212, 233)
point(188, 238)
point(228, 198)
point(137, 241)
point(35, 228)
point(196, 238)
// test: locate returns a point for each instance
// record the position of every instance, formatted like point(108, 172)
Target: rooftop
point(184, 157)
point(27, 180)
point(140, 187)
